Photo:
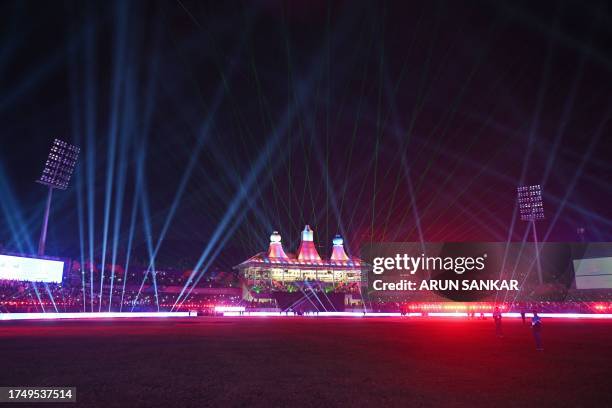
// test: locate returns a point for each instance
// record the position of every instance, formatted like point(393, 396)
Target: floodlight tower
point(56, 174)
point(531, 209)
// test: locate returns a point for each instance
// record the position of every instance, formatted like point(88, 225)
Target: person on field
point(497, 318)
point(536, 328)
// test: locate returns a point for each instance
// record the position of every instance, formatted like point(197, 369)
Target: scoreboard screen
point(18, 268)
point(593, 273)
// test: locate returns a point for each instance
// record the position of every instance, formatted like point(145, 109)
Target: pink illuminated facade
point(278, 270)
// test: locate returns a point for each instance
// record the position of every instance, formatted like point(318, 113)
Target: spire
point(338, 253)
point(307, 234)
point(307, 250)
point(276, 250)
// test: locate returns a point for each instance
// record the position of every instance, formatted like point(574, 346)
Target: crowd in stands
point(165, 276)
point(143, 293)
point(138, 294)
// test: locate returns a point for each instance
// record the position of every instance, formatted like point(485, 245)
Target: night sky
point(204, 126)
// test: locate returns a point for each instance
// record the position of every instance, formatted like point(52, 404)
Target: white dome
point(275, 237)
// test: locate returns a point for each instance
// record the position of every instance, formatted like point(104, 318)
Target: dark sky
point(354, 117)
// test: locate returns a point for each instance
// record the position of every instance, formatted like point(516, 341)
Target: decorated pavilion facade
point(277, 270)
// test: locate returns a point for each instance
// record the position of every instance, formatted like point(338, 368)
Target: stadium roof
point(307, 256)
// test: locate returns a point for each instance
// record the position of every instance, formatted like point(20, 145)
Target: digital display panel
point(593, 273)
point(17, 268)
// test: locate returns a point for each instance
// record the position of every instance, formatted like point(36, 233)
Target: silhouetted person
point(497, 318)
point(536, 328)
point(523, 316)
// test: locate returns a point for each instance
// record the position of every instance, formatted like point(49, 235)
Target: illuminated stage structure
point(305, 279)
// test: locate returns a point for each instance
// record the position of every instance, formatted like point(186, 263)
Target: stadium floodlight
point(530, 203)
point(531, 208)
point(56, 174)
